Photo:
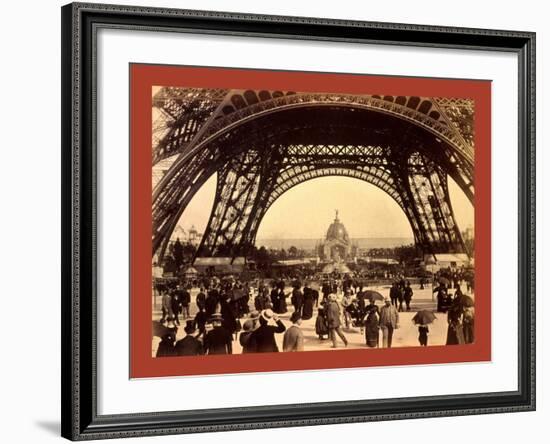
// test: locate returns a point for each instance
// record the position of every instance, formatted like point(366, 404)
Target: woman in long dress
point(371, 329)
point(307, 309)
point(455, 333)
point(321, 326)
point(280, 305)
point(468, 325)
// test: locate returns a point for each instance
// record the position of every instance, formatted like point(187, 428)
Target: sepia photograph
point(310, 221)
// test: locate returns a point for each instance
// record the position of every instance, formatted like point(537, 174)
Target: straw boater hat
point(268, 315)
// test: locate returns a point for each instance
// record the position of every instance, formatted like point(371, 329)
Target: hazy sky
point(306, 210)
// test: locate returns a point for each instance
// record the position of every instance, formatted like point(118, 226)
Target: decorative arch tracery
point(263, 144)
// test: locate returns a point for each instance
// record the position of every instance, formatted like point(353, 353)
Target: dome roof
point(337, 231)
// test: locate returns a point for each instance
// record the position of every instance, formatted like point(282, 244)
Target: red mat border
point(143, 77)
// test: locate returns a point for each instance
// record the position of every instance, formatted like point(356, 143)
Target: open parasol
point(444, 281)
point(373, 295)
point(464, 300)
point(424, 317)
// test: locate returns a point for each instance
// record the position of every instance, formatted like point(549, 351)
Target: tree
point(293, 251)
point(189, 251)
point(406, 254)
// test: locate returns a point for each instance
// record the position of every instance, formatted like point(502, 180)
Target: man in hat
point(200, 300)
point(293, 340)
point(218, 340)
point(264, 335)
point(189, 345)
point(346, 302)
point(245, 338)
point(167, 313)
point(389, 321)
point(166, 345)
point(176, 303)
point(333, 320)
point(200, 320)
point(407, 295)
point(394, 293)
point(297, 298)
point(185, 301)
point(212, 300)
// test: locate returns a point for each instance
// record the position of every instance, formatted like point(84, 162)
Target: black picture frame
point(79, 171)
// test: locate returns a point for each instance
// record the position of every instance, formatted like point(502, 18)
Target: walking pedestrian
point(394, 294)
point(177, 296)
point(293, 340)
point(455, 332)
point(218, 340)
point(333, 321)
point(200, 300)
point(309, 300)
point(468, 325)
point(371, 327)
point(200, 321)
point(297, 299)
point(407, 295)
point(400, 295)
point(321, 326)
point(389, 321)
point(264, 335)
point(346, 302)
point(166, 345)
point(423, 335)
point(167, 313)
point(188, 345)
point(244, 338)
point(185, 301)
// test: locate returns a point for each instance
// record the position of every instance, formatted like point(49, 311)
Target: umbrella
point(373, 295)
point(424, 317)
point(444, 281)
point(464, 300)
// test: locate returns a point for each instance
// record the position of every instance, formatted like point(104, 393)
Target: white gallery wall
point(30, 219)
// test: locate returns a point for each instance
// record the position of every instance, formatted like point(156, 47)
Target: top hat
point(189, 327)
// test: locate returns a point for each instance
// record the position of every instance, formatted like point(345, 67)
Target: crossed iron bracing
point(263, 143)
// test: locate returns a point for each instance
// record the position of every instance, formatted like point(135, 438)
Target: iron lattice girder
point(387, 105)
point(268, 139)
point(227, 107)
point(242, 201)
point(313, 133)
point(182, 112)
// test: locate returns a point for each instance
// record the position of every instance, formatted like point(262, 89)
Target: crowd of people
point(227, 311)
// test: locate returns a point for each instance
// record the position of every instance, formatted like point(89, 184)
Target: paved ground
point(405, 336)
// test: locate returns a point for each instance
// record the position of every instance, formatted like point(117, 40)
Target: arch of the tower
point(263, 156)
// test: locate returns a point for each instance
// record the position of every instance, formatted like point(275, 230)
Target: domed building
point(337, 246)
